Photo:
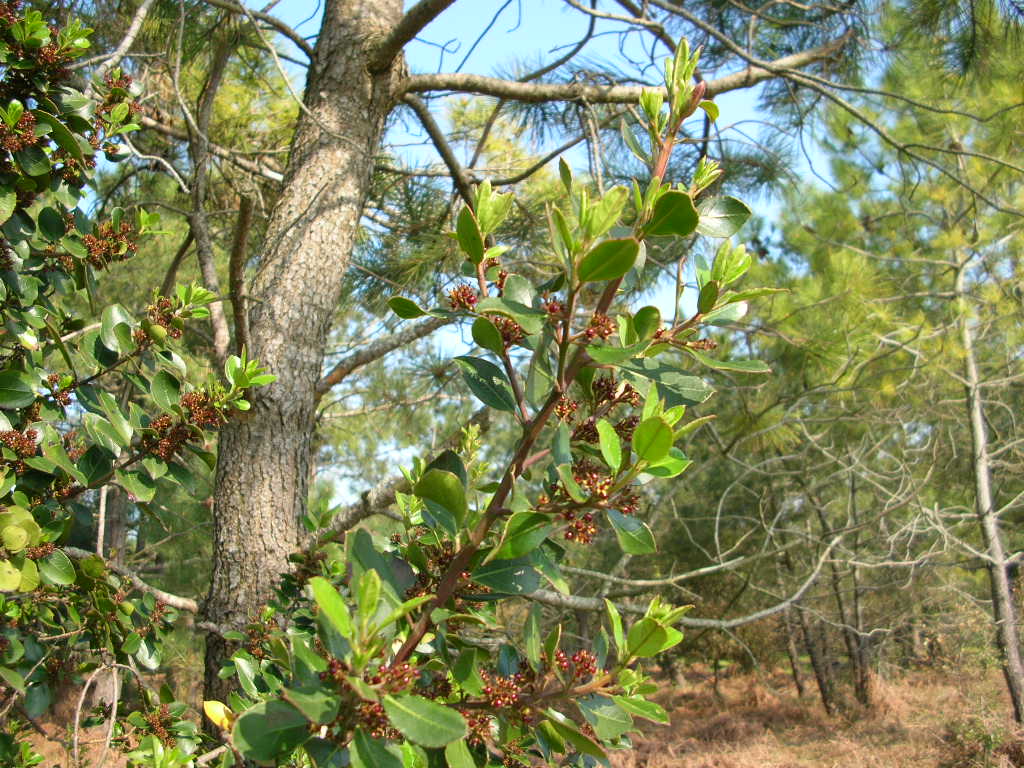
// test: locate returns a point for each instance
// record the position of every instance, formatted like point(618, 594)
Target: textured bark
point(263, 470)
point(791, 652)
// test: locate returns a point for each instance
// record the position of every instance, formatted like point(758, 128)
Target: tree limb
point(578, 603)
point(459, 176)
point(276, 23)
point(415, 19)
point(607, 94)
point(377, 350)
point(236, 273)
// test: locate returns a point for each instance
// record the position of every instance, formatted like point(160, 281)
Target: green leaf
point(607, 718)
point(13, 679)
point(33, 161)
point(674, 386)
point(524, 532)
point(10, 576)
point(674, 214)
point(424, 721)
point(102, 433)
point(487, 382)
point(368, 594)
point(314, 701)
point(56, 568)
point(405, 308)
point(708, 296)
point(532, 320)
point(487, 336)
point(611, 445)
point(672, 465)
point(710, 109)
point(60, 134)
point(138, 484)
point(652, 439)
point(615, 620)
point(332, 607)
point(646, 638)
point(14, 538)
point(457, 755)
point(609, 355)
point(51, 224)
point(722, 216)
point(567, 729)
point(15, 391)
point(737, 366)
point(444, 488)
point(605, 213)
point(609, 260)
point(366, 752)
point(268, 731)
point(647, 321)
point(468, 233)
point(8, 202)
point(531, 636)
point(640, 707)
point(29, 576)
point(113, 316)
point(166, 390)
point(511, 577)
point(635, 537)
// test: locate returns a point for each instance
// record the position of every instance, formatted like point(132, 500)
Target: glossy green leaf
point(424, 721)
point(15, 391)
point(367, 752)
point(444, 488)
point(487, 382)
point(166, 390)
point(640, 707)
point(652, 439)
point(268, 731)
point(523, 533)
point(56, 568)
point(511, 577)
point(609, 260)
point(488, 336)
point(468, 233)
point(646, 638)
point(635, 537)
point(332, 607)
point(405, 308)
point(735, 366)
point(674, 214)
point(722, 216)
point(457, 755)
point(610, 444)
point(608, 720)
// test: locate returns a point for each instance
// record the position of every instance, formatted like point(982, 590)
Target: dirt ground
point(925, 719)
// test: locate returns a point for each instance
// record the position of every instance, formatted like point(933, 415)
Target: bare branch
point(575, 602)
point(236, 273)
point(377, 350)
point(126, 42)
point(607, 94)
point(273, 21)
point(459, 176)
point(172, 269)
point(415, 19)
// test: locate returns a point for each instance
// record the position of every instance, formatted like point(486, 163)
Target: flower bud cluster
point(462, 297)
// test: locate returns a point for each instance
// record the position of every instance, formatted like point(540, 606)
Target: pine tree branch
point(273, 21)
point(415, 19)
point(608, 94)
point(463, 184)
point(377, 350)
point(236, 274)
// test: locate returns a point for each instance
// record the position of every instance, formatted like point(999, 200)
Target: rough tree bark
point(263, 468)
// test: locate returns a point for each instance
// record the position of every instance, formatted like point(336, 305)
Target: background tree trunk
point(263, 469)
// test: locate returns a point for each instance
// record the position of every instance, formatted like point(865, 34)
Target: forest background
point(849, 516)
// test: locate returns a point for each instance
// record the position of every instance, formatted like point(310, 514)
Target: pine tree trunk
point(263, 468)
point(1004, 611)
point(791, 652)
point(819, 664)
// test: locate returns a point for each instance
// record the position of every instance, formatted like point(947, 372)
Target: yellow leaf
point(219, 714)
